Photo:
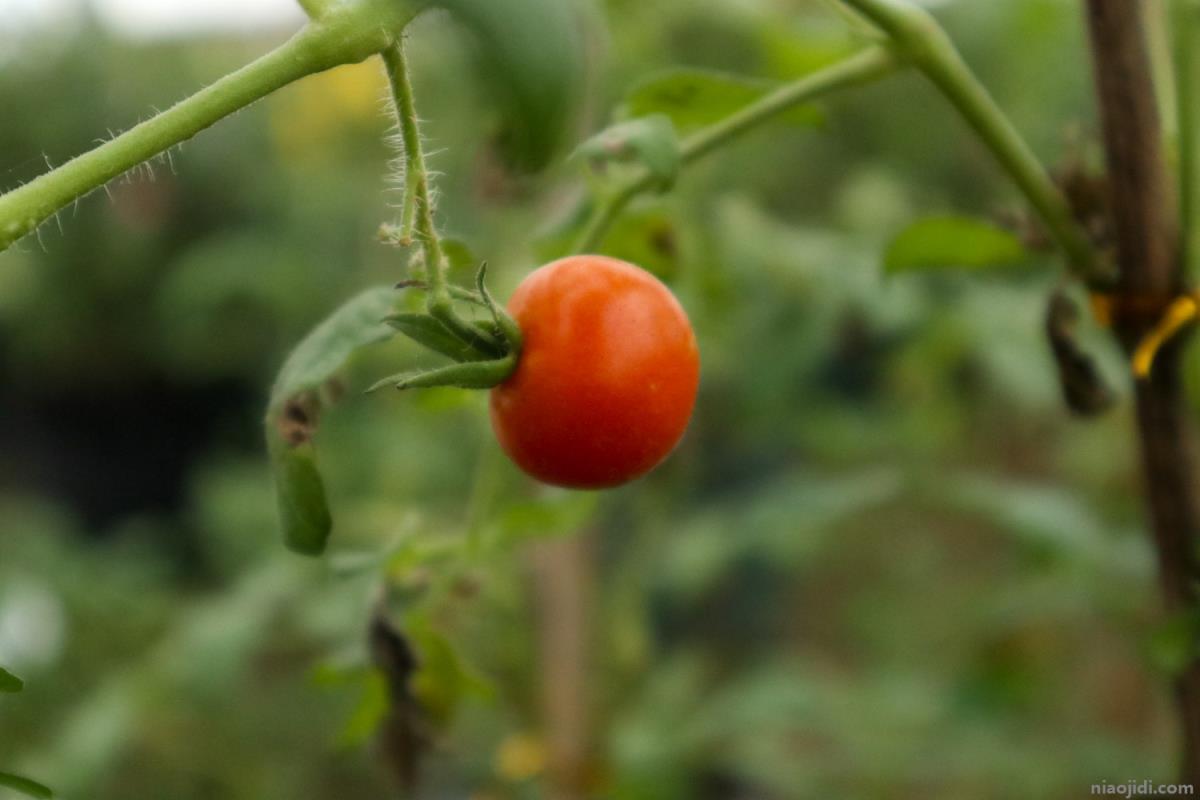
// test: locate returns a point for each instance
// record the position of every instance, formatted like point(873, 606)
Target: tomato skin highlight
point(607, 377)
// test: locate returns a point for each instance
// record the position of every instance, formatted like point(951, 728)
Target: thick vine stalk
point(1148, 244)
point(349, 33)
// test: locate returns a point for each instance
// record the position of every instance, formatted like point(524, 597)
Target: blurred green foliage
point(885, 563)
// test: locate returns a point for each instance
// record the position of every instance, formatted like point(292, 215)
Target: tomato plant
point(593, 367)
point(607, 377)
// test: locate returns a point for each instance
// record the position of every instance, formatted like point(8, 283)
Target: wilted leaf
point(694, 98)
point(650, 141)
point(951, 242)
point(295, 408)
point(25, 786)
point(300, 497)
point(326, 349)
point(10, 683)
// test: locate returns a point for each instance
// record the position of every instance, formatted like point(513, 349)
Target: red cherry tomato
point(607, 376)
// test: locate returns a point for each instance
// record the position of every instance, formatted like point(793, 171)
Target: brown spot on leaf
point(298, 420)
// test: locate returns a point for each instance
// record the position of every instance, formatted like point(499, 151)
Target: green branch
point(920, 39)
point(348, 33)
point(858, 69)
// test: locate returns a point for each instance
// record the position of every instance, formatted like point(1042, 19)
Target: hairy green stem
point(408, 212)
point(417, 182)
point(348, 34)
point(416, 177)
point(920, 39)
point(858, 69)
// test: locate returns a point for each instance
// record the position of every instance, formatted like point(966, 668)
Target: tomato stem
point(438, 299)
point(416, 176)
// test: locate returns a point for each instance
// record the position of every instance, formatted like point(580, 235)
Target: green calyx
point(485, 352)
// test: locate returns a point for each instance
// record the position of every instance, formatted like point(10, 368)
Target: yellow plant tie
point(1179, 313)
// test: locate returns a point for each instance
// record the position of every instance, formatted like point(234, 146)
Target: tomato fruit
point(607, 376)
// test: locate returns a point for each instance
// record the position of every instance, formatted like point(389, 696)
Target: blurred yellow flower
point(520, 757)
point(305, 119)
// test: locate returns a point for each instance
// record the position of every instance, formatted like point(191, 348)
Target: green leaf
point(694, 98)
point(10, 683)
point(952, 242)
point(648, 237)
point(469, 375)
point(369, 713)
point(295, 409)
point(650, 141)
point(531, 53)
point(25, 786)
point(428, 332)
point(790, 51)
point(329, 346)
point(300, 497)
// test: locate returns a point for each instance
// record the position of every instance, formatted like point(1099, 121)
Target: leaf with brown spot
point(306, 384)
